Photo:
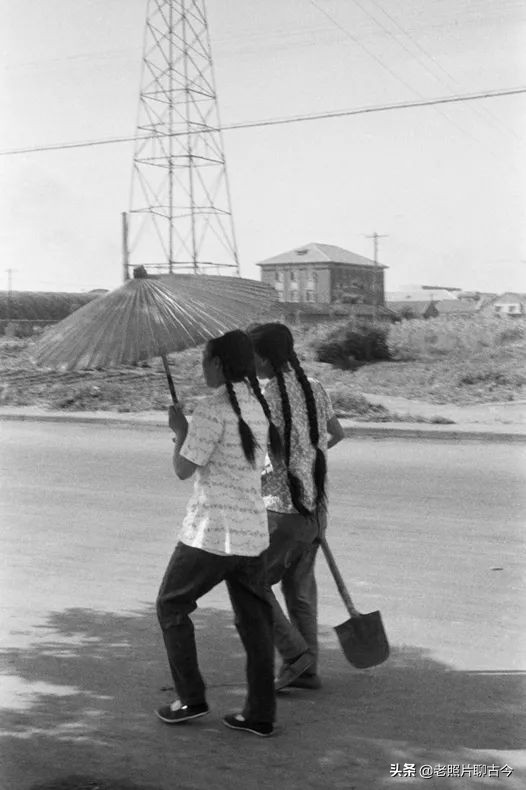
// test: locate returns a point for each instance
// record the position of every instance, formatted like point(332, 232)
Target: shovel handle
point(340, 584)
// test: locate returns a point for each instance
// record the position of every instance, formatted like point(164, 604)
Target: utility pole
point(9, 292)
point(125, 250)
point(375, 236)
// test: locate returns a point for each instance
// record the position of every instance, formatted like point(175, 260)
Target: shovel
point(363, 638)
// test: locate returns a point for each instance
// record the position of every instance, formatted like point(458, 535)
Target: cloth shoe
point(236, 721)
point(289, 672)
point(176, 712)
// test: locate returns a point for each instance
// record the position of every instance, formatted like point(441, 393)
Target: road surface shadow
point(83, 695)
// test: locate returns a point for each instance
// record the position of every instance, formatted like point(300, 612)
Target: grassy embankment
point(461, 362)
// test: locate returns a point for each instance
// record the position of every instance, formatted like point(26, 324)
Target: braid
point(312, 414)
point(287, 416)
point(274, 437)
point(319, 469)
point(248, 441)
point(294, 483)
point(275, 344)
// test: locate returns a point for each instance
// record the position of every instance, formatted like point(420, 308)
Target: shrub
point(334, 354)
point(439, 337)
point(511, 333)
point(350, 345)
point(346, 401)
point(492, 376)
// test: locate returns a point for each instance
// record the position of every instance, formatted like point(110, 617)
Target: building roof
point(510, 297)
point(420, 295)
point(320, 253)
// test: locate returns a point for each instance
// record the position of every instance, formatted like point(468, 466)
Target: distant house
point(449, 308)
point(433, 301)
point(324, 274)
point(509, 304)
point(423, 293)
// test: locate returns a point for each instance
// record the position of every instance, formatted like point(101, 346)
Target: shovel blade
point(363, 640)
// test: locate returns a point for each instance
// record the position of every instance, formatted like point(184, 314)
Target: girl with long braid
point(294, 490)
point(224, 533)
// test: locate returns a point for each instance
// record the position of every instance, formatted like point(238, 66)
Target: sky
point(445, 185)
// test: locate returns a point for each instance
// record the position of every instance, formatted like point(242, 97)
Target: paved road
point(429, 532)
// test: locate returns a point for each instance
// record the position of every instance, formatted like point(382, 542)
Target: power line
point(361, 45)
point(375, 108)
point(378, 60)
point(451, 83)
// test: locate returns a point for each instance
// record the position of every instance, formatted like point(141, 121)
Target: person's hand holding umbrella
point(177, 421)
point(179, 425)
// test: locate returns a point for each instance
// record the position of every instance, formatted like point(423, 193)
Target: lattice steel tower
point(180, 216)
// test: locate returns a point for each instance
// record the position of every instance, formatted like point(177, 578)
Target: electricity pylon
point(180, 215)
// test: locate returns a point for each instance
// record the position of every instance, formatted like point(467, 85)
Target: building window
point(292, 276)
point(294, 297)
point(310, 296)
point(278, 276)
point(312, 277)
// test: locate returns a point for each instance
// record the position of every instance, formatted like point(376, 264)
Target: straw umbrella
point(151, 317)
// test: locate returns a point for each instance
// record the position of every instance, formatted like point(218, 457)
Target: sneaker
point(306, 681)
point(236, 721)
point(289, 672)
point(176, 712)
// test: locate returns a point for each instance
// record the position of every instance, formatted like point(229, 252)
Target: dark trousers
point(294, 543)
point(190, 574)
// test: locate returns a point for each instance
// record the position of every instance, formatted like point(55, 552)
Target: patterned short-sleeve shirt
point(275, 487)
point(226, 514)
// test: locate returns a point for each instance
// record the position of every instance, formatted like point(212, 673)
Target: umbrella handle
point(170, 379)
point(340, 584)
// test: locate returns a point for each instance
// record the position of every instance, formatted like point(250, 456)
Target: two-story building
point(324, 274)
